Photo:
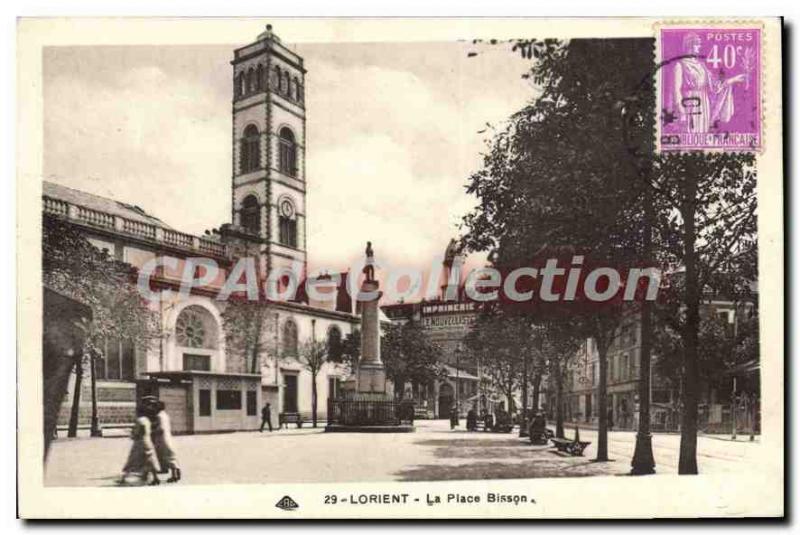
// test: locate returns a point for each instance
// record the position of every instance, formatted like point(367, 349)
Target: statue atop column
point(369, 266)
point(376, 409)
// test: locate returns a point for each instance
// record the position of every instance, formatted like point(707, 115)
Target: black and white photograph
point(390, 268)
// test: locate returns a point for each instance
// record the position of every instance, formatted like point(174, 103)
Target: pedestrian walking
point(610, 419)
point(163, 442)
point(142, 458)
point(266, 417)
point(453, 418)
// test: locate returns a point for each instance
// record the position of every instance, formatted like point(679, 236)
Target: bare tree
point(313, 355)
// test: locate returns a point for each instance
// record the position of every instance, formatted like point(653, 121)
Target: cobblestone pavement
point(433, 452)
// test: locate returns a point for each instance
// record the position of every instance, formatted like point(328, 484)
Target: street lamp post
point(95, 422)
point(458, 385)
point(643, 462)
point(523, 421)
point(733, 408)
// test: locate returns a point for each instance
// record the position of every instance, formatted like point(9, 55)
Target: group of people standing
point(153, 450)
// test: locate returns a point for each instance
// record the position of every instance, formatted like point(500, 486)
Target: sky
point(393, 133)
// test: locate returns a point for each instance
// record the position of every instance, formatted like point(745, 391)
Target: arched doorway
point(446, 400)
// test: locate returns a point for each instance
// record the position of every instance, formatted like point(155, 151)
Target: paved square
point(434, 452)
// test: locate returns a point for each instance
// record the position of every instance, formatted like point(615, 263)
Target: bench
point(286, 418)
point(572, 447)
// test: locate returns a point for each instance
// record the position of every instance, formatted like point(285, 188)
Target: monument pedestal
point(372, 380)
point(367, 404)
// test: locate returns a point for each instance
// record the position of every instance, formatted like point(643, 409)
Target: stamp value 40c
point(709, 84)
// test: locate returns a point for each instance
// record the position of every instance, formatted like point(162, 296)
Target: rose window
point(190, 330)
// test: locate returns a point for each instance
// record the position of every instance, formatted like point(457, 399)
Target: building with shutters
point(582, 380)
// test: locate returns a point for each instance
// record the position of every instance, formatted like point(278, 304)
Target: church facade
point(205, 385)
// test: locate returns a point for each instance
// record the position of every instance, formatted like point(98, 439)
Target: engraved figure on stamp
point(701, 99)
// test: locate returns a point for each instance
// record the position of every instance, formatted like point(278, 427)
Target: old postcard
point(452, 268)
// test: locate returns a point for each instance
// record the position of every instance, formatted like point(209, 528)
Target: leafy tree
point(410, 356)
point(560, 177)
point(722, 346)
point(499, 340)
point(577, 166)
point(74, 267)
point(559, 344)
point(712, 234)
point(313, 355)
point(351, 349)
point(517, 347)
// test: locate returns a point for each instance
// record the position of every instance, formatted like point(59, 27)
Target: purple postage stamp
point(709, 89)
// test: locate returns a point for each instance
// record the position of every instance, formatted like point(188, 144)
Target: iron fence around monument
point(370, 412)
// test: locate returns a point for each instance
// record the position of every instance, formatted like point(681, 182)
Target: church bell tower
point(269, 134)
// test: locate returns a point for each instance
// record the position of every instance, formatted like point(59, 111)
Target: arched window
point(239, 85)
point(196, 328)
point(196, 334)
point(250, 157)
point(287, 155)
point(250, 215)
point(289, 337)
point(287, 223)
point(276, 79)
point(334, 343)
point(259, 77)
point(251, 80)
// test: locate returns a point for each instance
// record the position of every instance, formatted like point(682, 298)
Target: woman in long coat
point(162, 440)
point(142, 458)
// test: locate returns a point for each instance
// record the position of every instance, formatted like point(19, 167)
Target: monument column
point(370, 324)
point(371, 371)
point(367, 404)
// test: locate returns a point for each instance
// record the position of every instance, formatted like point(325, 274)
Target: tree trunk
point(76, 398)
point(510, 397)
point(687, 463)
point(537, 385)
point(54, 390)
point(95, 430)
point(602, 401)
point(523, 418)
point(254, 364)
point(314, 400)
point(559, 403)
